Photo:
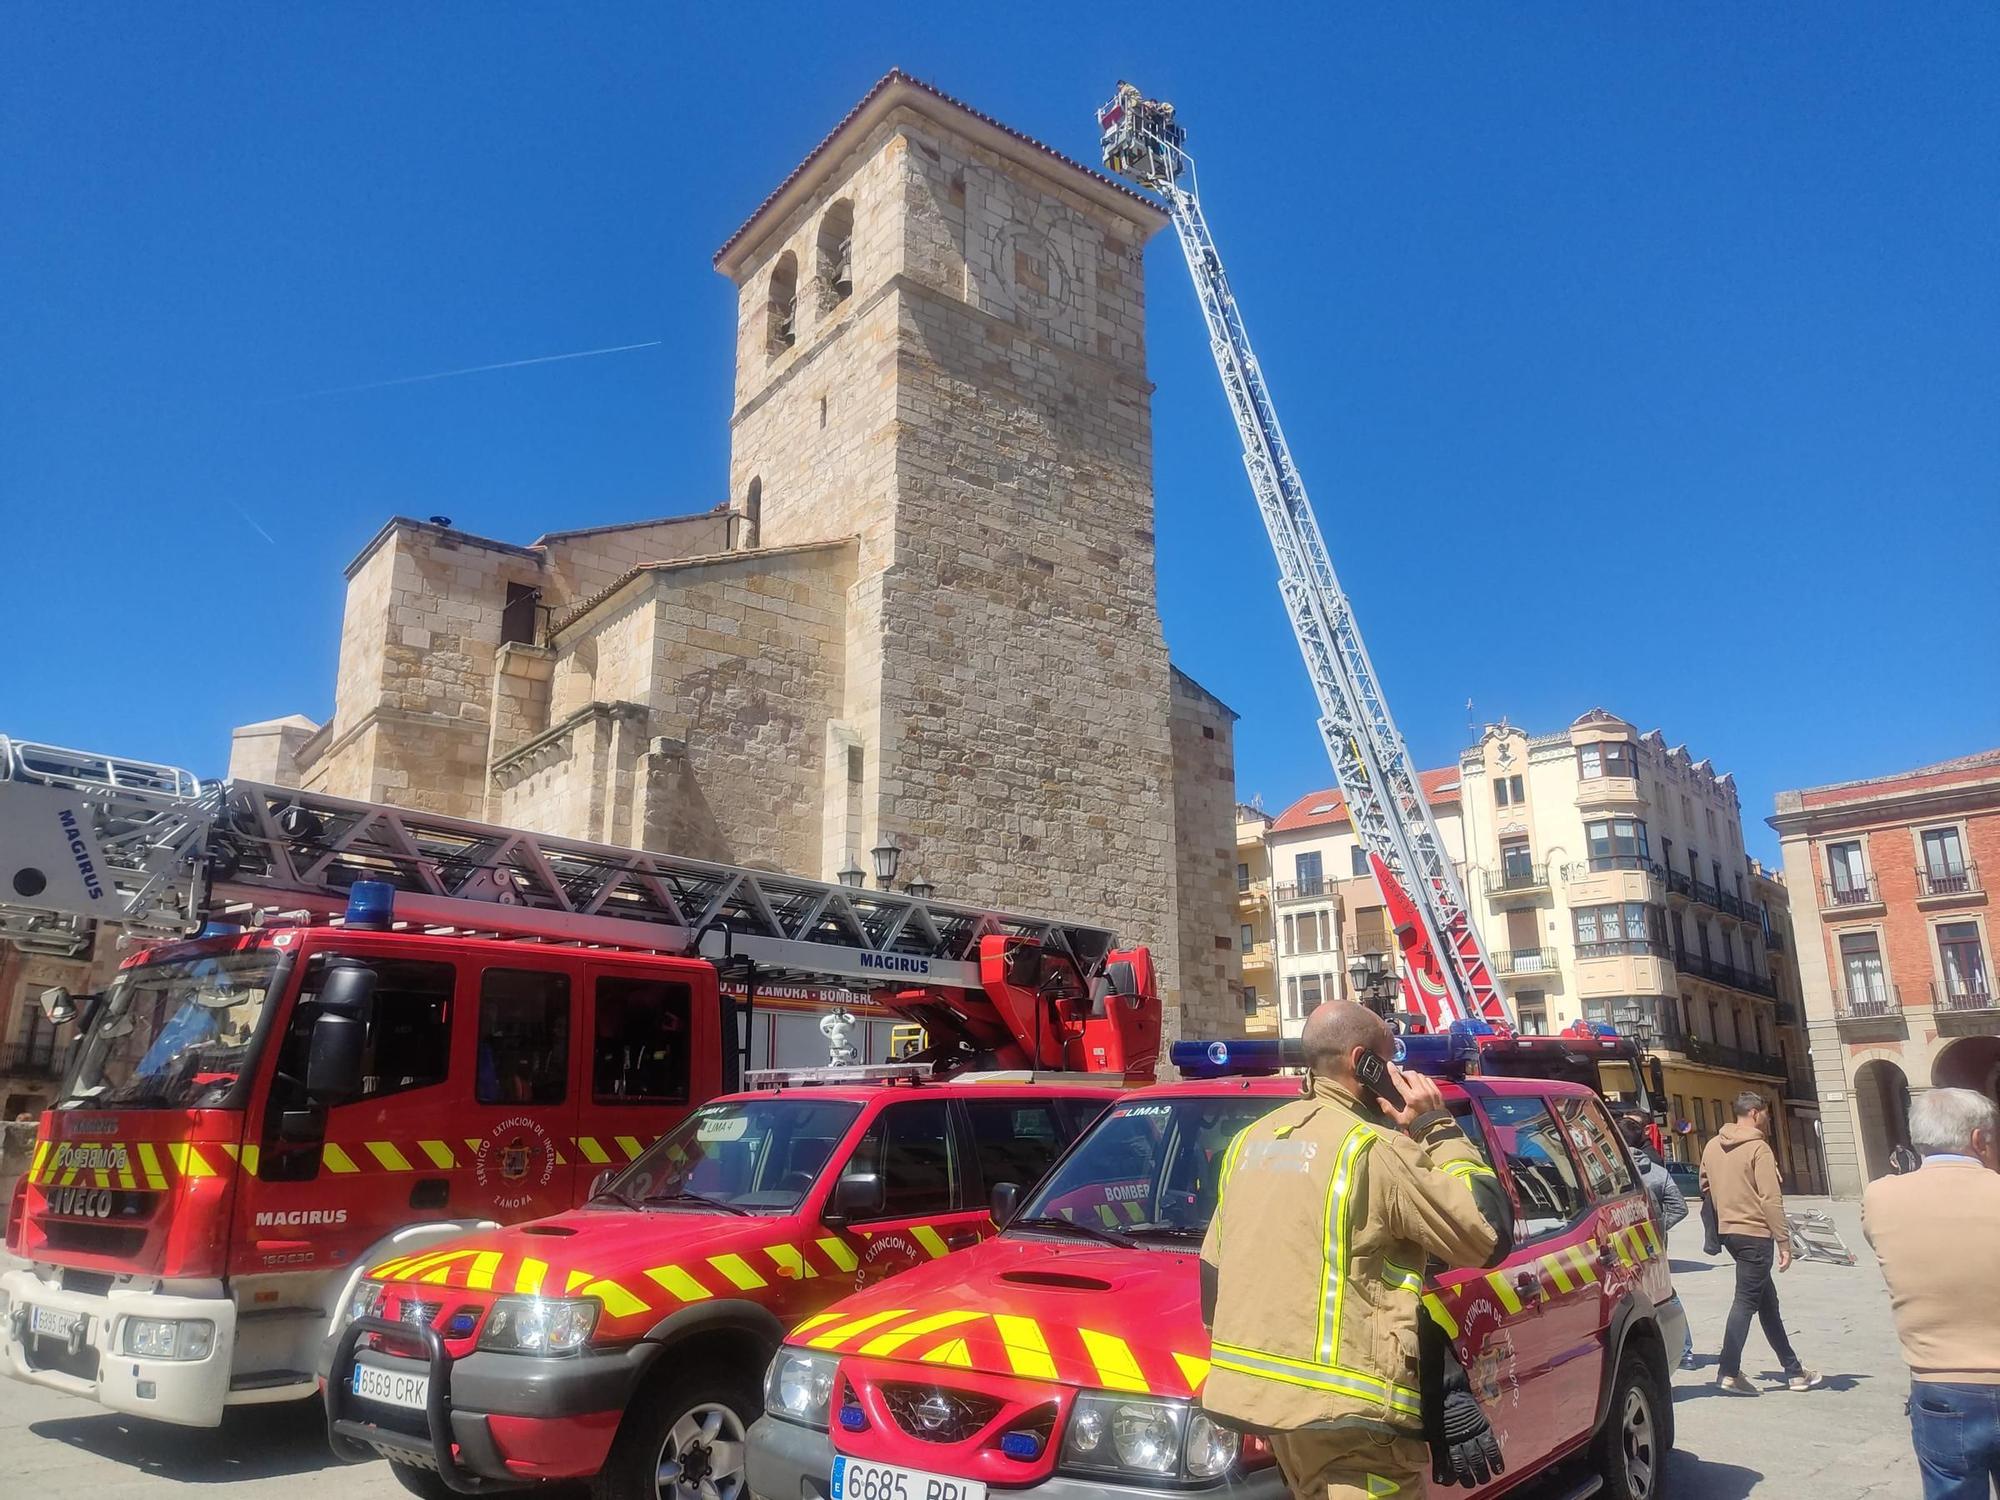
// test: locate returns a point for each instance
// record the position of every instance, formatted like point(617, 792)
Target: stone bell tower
point(940, 351)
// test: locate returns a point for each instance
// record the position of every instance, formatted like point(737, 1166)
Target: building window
point(1610, 758)
point(1245, 939)
point(1357, 859)
point(523, 1037)
point(1291, 935)
point(1964, 963)
point(1713, 831)
point(1309, 996)
point(782, 310)
point(517, 618)
point(1291, 999)
point(1617, 844)
point(640, 1042)
point(1517, 865)
point(1625, 928)
point(1242, 877)
point(1944, 872)
point(1846, 873)
point(1507, 791)
point(1309, 933)
point(1250, 999)
point(1307, 871)
point(1861, 964)
point(836, 254)
point(1529, 1007)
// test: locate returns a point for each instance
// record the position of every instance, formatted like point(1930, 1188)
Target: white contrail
point(251, 521)
point(505, 364)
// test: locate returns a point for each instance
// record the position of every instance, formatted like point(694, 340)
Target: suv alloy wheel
point(682, 1439)
point(1632, 1445)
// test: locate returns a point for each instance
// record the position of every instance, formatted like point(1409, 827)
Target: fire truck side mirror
point(858, 1195)
point(1006, 1202)
point(58, 1005)
point(334, 1065)
point(347, 988)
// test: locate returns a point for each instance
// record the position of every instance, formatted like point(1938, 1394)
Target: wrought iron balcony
point(1736, 1059)
point(1718, 972)
point(1304, 890)
point(1365, 944)
point(1525, 961)
point(1873, 1002)
point(1515, 880)
point(38, 1058)
point(1839, 895)
point(1680, 883)
point(1938, 884)
point(1964, 998)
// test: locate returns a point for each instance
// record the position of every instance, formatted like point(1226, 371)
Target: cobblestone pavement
point(1845, 1441)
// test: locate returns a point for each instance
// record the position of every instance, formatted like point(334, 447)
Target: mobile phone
point(1373, 1075)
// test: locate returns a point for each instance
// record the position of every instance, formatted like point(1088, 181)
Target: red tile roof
point(897, 75)
point(1321, 809)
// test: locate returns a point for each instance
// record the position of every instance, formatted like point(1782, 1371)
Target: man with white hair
point(1937, 1233)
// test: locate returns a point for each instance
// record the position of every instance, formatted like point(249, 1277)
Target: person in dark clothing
point(1669, 1202)
point(1739, 1175)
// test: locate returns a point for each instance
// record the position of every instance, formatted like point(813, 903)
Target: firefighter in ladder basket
point(1332, 1208)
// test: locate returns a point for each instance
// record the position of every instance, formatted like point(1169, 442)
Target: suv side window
point(1015, 1140)
point(909, 1147)
point(523, 1037)
point(1530, 1142)
point(1597, 1146)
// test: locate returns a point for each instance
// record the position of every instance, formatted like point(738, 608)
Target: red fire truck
point(417, 1026)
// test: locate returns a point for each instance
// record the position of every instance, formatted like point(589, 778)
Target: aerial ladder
point(160, 854)
point(1447, 973)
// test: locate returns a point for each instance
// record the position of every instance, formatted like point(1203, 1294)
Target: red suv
point(1066, 1357)
point(623, 1341)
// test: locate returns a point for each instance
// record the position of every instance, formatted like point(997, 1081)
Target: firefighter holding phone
point(1319, 1337)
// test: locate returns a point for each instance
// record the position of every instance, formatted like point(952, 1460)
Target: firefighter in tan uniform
point(1331, 1209)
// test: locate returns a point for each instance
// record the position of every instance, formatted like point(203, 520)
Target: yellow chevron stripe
point(952, 1352)
point(1618, 1248)
point(1117, 1370)
point(528, 1279)
point(1027, 1350)
point(472, 1144)
point(592, 1152)
point(617, 1301)
point(629, 1144)
point(738, 1270)
point(335, 1159)
point(790, 1262)
point(837, 1252)
point(484, 1264)
point(438, 1272)
point(390, 1155)
point(187, 1156)
point(806, 1325)
point(1134, 1210)
point(1554, 1266)
point(1653, 1238)
point(439, 1153)
point(682, 1285)
point(1581, 1261)
point(576, 1279)
point(1504, 1292)
point(42, 1149)
point(931, 1240)
point(843, 1331)
point(1104, 1212)
point(916, 1328)
point(1193, 1371)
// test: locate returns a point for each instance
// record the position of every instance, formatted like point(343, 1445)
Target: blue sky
point(1636, 355)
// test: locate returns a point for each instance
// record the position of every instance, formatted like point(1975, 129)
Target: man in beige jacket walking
point(1739, 1176)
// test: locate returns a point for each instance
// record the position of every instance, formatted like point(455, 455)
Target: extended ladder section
point(1142, 141)
point(88, 837)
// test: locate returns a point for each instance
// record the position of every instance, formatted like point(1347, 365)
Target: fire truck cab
point(625, 1341)
point(251, 1119)
point(1065, 1358)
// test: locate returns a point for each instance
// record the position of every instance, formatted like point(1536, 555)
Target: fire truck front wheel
point(684, 1436)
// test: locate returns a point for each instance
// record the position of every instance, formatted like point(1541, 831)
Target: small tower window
point(836, 254)
point(781, 329)
point(753, 512)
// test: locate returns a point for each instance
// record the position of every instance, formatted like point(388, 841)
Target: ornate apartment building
point(1892, 877)
point(925, 617)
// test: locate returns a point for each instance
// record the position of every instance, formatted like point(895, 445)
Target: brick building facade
point(926, 615)
point(1891, 883)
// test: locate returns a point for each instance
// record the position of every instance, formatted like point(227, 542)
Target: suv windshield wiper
point(616, 1195)
point(1169, 1232)
point(703, 1199)
point(1077, 1226)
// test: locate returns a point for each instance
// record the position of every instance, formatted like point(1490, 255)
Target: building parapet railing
point(1963, 998)
point(41, 1058)
point(1303, 890)
point(1721, 973)
point(1873, 1003)
point(1525, 961)
point(1834, 895)
point(1514, 878)
point(1736, 1059)
point(1937, 883)
point(1622, 948)
point(1599, 864)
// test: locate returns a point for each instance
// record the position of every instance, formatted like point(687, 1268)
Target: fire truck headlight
point(169, 1338)
point(1211, 1447)
point(366, 1301)
point(540, 1325)
point(799, 1386)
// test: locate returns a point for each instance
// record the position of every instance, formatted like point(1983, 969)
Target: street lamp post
point(887, 856)
point(853, 875)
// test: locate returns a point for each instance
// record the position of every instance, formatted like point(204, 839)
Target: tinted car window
point(640, 1051)
point(1597, 1146)
point(1015, 1140)
point(523, 1037)
point(909, 1147)
point(1530, 1145)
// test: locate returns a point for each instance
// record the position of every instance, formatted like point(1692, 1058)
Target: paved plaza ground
point(1846, 1441)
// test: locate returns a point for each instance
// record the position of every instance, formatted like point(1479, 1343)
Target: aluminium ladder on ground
point(169, 852)
point(1142, 141)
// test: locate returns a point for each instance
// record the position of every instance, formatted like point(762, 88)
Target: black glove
point(1465, 1451)
point(1463, 1448)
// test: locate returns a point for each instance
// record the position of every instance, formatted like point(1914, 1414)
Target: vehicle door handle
point(431, 1192)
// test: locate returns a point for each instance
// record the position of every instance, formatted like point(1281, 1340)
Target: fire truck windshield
point(738, 1155)
point(1147, 1170)
point(175, 1034)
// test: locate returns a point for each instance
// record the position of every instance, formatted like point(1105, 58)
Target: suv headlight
point(539, 1325)
point(1109, 1432)
point(799, 1386)
point(366, 1301)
